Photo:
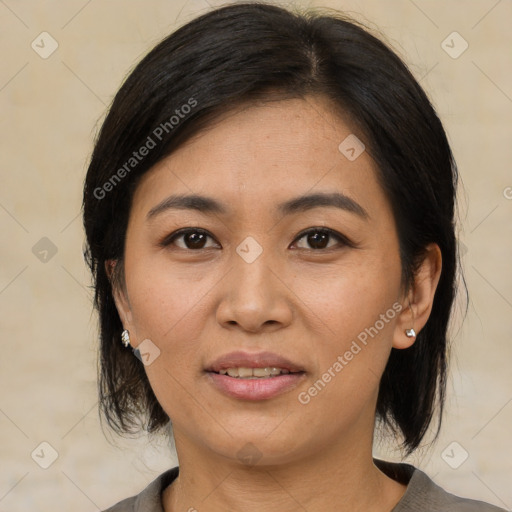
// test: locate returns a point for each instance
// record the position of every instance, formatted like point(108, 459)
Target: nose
point(254, 296)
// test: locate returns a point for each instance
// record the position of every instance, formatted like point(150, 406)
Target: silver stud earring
point(125, 338)
point(410, 333)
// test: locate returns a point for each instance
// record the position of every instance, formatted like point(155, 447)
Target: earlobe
point(418, 307)
point(410, 333)
point(110, 266)
point(406, 328)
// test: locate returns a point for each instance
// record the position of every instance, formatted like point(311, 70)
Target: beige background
point(51, 109)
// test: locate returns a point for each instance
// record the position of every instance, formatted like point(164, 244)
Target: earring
point(410, 333)
point(125, 338)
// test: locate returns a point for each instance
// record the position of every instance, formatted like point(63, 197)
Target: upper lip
point(241, 359)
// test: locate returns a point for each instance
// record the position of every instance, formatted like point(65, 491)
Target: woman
point(269, 212)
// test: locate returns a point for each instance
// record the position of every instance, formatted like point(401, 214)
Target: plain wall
point(50, 111)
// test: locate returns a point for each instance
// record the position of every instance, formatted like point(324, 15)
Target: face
point(314, 284)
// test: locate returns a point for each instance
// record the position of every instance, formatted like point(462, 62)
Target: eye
point(196, 239)
point(192, 238)
point(318, 238)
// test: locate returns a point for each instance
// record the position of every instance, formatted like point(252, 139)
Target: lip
point(255, 360)
point(254, 389)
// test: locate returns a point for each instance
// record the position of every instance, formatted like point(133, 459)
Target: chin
point(258, 449)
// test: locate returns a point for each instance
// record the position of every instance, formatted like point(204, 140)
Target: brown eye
point(319, 238)
point(192, 239)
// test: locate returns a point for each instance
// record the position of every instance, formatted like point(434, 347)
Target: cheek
point(354, 311)
point(166, 307)
point(350, 297)
point(350, 354)
point(161, 297)
point(171, 306)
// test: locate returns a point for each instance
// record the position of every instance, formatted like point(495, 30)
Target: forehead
point(263, 153)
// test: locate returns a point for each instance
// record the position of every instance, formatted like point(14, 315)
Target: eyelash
point(343, 240)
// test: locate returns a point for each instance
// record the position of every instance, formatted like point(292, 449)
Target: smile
point(254, 373)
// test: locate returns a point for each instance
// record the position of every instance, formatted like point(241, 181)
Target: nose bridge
point(254, 297)
point(253, 279)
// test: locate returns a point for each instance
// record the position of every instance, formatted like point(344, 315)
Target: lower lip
point(255, 389)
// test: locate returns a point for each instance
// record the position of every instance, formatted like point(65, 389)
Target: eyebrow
point(304, 203)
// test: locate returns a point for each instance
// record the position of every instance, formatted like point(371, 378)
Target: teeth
point(261, 372)
point(233, 372)
point(245, 372)
point(253, 373)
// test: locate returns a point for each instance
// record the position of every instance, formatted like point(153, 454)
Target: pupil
point(317, 240)
point(195, 240)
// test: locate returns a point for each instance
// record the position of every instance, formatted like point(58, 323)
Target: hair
point(232, 56)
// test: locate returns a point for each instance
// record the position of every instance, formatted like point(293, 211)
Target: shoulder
point(424, 495)
point(150, 499)
point(435, 498)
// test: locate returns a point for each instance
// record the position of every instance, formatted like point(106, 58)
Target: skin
point(307, 304)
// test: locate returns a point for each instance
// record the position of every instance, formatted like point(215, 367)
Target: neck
point(340, 478)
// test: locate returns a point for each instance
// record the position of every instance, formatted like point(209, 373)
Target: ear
point(418, 305)
point(120, 296)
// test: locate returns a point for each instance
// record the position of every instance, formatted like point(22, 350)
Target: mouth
point(244, 372)
point(257, 376)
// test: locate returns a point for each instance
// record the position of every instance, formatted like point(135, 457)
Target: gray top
point(422, 494)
